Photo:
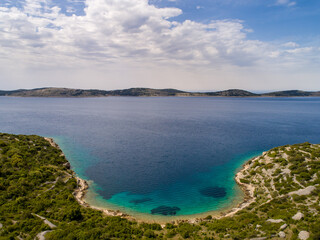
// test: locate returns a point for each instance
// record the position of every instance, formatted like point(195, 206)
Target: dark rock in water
point(215, 192)
point(138, 201)
point(165, 210)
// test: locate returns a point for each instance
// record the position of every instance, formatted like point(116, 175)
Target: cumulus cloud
point(127, 33)
point(122, 30)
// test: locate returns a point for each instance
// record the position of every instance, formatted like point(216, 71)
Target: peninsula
point(39, 193)
point(148, 92)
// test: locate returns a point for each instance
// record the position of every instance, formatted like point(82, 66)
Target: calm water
point(163, 155)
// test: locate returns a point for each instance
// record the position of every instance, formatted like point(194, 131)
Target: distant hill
point(292, 93)
point(232, 93)
point(147, 92)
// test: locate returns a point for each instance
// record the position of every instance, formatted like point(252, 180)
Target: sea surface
point(163, 156)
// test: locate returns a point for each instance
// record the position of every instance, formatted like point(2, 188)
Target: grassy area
point(36, 195)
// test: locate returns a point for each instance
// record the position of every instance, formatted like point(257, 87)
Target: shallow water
point(168, 155)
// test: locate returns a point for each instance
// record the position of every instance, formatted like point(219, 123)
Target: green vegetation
point(36, 195)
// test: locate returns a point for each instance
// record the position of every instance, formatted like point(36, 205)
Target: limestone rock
point(298, 216)
point(304, 191)
point(304, 235)
point(284, 226)
point(282, 234)
point(275, 220)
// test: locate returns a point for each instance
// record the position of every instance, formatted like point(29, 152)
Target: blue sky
point(270, 20)
point(186, 44)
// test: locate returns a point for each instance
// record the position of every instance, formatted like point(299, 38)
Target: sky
point(195, 45)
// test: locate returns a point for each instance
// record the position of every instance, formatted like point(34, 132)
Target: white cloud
point(290, 45)
point(288, 3)
point(117, 35)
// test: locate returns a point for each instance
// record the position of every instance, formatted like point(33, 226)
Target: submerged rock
point(138, 201)
point(214, 192)
point(165, 210)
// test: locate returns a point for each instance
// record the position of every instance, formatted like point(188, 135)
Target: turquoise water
point(163, 156)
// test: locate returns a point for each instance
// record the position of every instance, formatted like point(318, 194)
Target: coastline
point(82, 189)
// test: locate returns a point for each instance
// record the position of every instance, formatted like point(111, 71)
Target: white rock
point(283, 226)
point(282, 234)
point(258, 226)
point(304, 235)
point(298, 216)
point(40, 236)
point(275, 220)
point(304, 191)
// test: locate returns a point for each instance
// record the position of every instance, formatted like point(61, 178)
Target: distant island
point(39, 199)
point(149, 92)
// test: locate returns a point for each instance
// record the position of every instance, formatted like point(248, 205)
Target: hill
point(37, 191)
point(292, 93)
point(232, 93)
point(148, 92)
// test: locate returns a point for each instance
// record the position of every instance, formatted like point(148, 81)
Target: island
point(148, 92)
point(41, 198)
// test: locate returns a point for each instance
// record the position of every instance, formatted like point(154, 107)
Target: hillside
point(232, 93)
point(292, 93)
point(147, 92)
point(37, 191)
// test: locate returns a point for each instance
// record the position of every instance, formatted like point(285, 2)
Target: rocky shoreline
point(82, 188)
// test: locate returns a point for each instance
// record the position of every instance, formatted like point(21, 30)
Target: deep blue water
point(146, 153)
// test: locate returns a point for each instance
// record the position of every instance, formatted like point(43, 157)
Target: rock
point(214, 192)
point(41, 236)
point(258, 226)
point(282, 234)
point(298, 216)
point(275, 220)
point(284, 226)
point(304, 191)
point(303, 235)
point(165, 210)
point(67, 165)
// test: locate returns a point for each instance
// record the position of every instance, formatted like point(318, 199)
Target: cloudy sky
point(256, 45)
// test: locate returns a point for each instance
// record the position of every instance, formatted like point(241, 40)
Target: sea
point(163, 157)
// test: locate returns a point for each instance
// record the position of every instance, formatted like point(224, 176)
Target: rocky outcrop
point(298, 216)
point(303, 235)
point(282, 234)
point(304, 191)
point(41, 235)
point(275, 220)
